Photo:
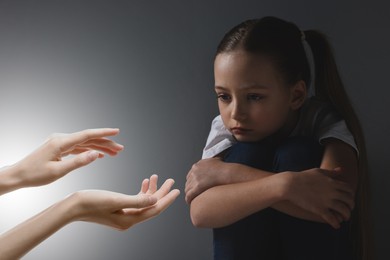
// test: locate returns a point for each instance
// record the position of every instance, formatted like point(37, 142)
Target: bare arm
point(340, 155)
point(336, 154)
point(313, 190)
point(112, 209)
point(46, 164)
point(225, 204)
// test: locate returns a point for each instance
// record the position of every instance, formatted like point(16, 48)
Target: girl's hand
point(45, 164)
point(122, 211)
point(203, 175)
point(314, 190)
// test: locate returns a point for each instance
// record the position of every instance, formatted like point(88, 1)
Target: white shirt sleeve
point(340, 131)
point(219, 139)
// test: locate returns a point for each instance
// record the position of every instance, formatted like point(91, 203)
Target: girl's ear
point(298, 94)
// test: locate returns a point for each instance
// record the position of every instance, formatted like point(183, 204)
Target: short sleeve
point(340, 131)
point(219, 139)
point(320, 120)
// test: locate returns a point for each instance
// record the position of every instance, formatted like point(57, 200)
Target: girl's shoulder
point(316, 115)
point(321, 120)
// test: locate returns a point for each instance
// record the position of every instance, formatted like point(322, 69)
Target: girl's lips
point(240, 131)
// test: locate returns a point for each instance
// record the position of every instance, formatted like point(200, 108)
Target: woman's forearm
point(9, 180)
point(116, 210)
point(18, 241)
point(225, 204)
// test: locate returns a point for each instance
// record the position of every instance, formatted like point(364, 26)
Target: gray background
point(146, 67)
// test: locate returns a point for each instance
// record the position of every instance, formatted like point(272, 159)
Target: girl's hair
point(282, 43)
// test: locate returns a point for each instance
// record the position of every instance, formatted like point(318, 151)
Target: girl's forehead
point(241, 66)
point(242, 60)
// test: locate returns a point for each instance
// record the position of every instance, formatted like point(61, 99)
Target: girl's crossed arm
point(294, 194)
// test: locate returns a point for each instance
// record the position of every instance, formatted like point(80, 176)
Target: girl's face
point(253, 99)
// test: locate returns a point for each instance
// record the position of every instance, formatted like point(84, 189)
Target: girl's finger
point(342, 209)
point(330, 218)
point(338, 216)
point(347, 198)
point(344, 187)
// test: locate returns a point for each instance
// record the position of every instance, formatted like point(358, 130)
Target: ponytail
point(329, 88)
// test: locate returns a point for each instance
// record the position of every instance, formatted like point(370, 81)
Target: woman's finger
point(164, 189)
point(144, 186)
point(65, 166)
point(137, 201)
point(152, 184)
point(161, 205)
point(73, 139)
point(102, 142)
point(97, 148)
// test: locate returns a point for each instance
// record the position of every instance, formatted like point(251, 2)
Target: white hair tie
point(310, 60)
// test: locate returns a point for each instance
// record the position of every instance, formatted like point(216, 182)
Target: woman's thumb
point(142, 201)
point(78, 161)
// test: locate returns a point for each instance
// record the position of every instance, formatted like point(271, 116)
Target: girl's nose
point(238, 111)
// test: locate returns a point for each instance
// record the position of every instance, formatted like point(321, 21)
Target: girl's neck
point(287, 128)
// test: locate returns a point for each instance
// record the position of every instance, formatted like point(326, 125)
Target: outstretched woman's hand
point(46, 163)
point(112, 209)
point(122, 211)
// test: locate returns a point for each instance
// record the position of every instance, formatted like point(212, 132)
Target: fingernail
point(93, 155)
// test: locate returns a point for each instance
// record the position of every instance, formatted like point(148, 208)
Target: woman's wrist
point(10, 178)
point(70, 206)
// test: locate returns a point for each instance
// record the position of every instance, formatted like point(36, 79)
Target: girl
point(45, 165)
point(262, 71)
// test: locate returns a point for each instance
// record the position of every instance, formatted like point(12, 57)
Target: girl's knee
point(257, 154)
point(297, 154)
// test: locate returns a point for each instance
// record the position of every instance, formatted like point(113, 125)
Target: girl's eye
point(255, 97)
point(224, 97)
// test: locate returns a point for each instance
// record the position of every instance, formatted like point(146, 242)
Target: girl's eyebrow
point(245, 87)
point(220, 88)
point(255, 86)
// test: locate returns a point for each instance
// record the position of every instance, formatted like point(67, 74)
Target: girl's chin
point(241, 138)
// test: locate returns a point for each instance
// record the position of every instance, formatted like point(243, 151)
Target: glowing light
point(17, 140)
point(22, 204)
